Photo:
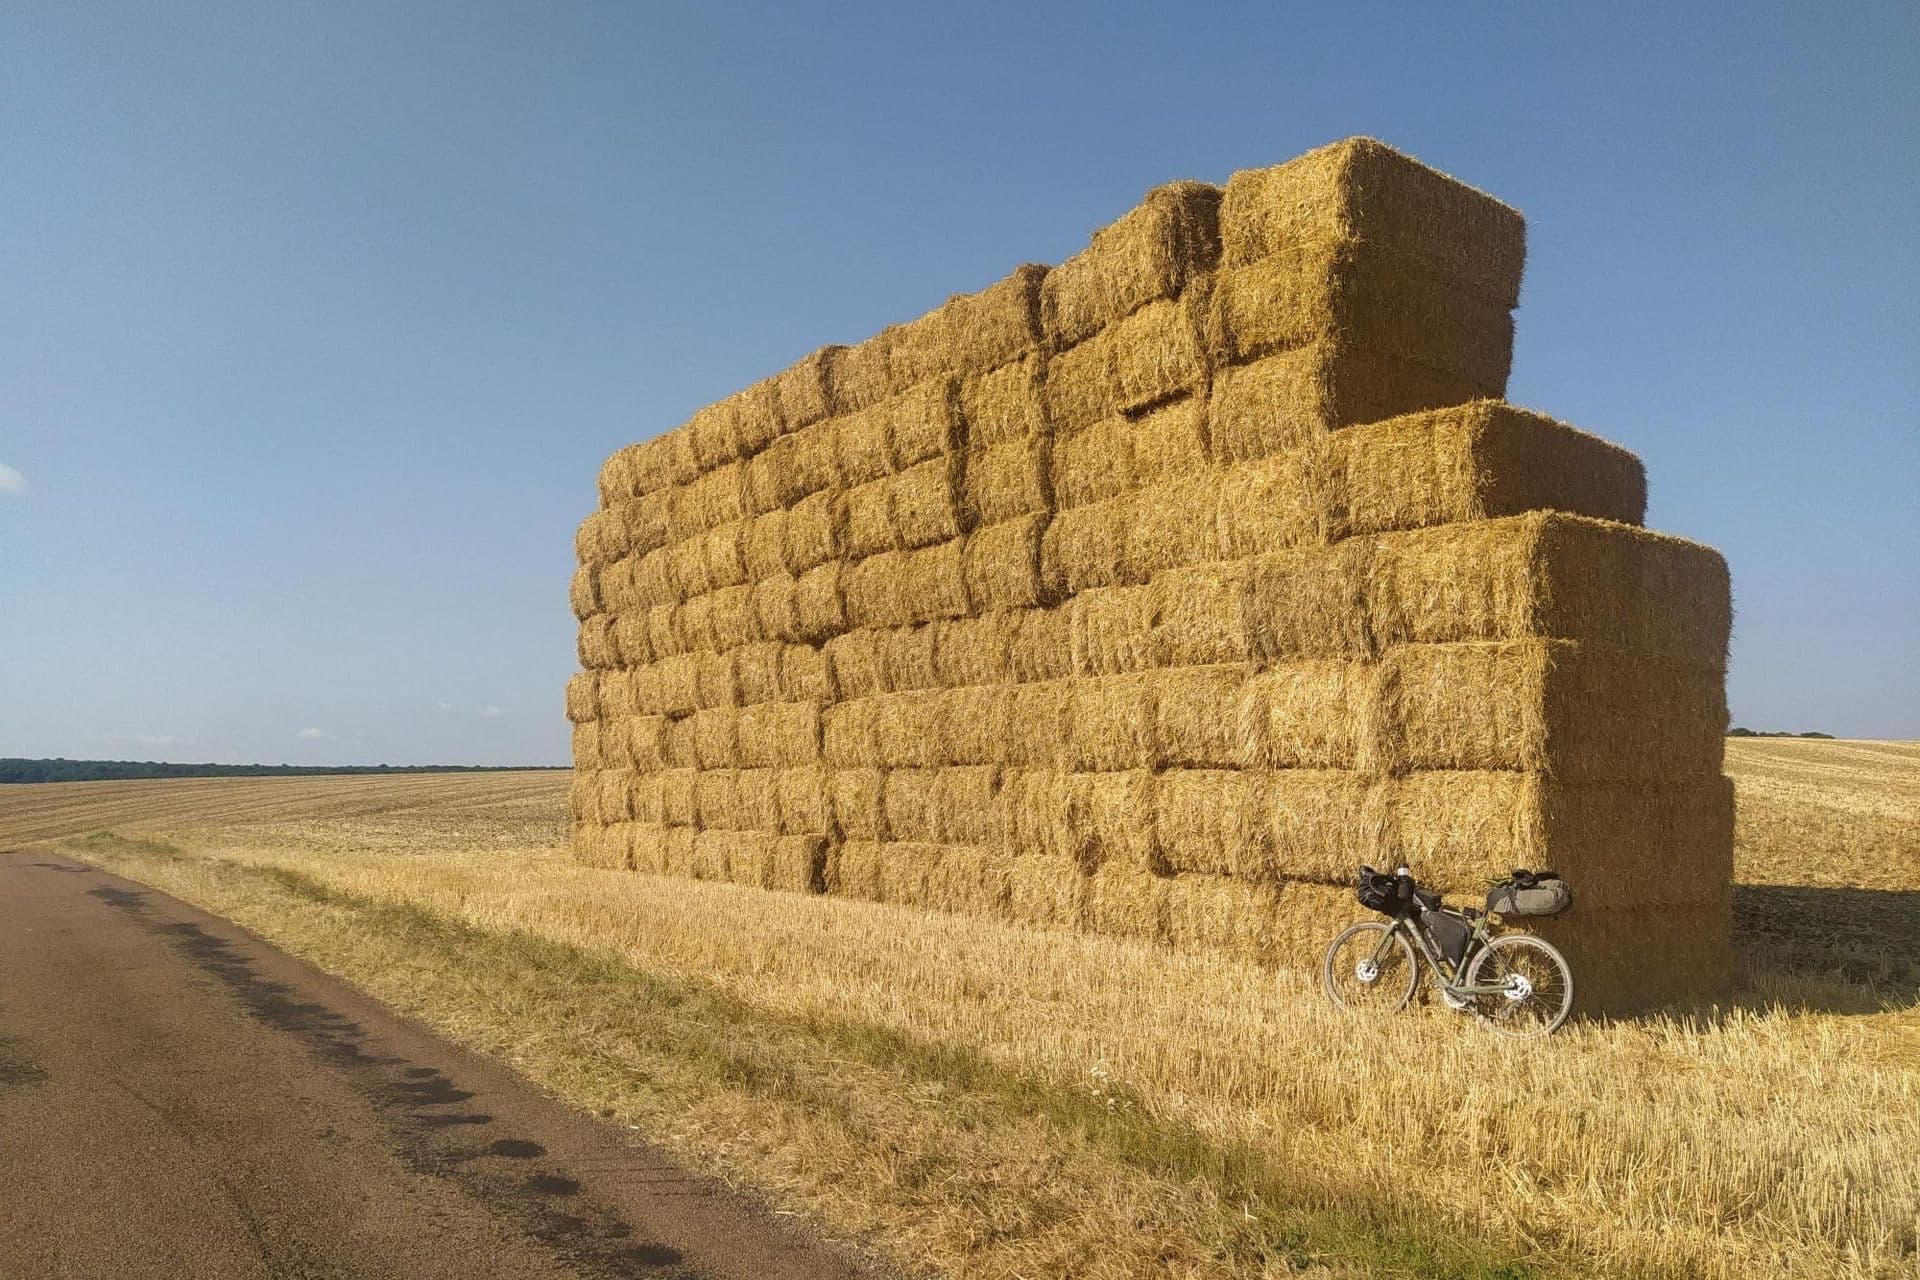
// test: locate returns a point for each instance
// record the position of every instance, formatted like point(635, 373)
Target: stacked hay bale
point(1154, 592)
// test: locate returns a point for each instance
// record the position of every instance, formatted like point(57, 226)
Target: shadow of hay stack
point(1153, 592)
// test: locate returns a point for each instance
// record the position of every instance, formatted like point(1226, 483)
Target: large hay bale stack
point(1153, 592)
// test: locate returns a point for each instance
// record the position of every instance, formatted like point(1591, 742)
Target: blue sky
point(319, 319)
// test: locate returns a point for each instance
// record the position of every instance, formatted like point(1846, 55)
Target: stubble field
point(978, 1099)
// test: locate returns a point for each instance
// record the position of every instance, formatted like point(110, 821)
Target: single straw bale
point(965, 721)
point(716, 799)
point(598, 650)
point(1148, 254)
point(645, 519)
point(1360, 189)
point(763, 547)
point(1562, 707)
point(645, 840)
point(856, 801)
point(1039, 645)
point(1126, 902)
point(1176, 522)
point(1199, 615)
point(614, 587)
point(901, 588)
point(616, 795)
point(758, 796)
point(956, 877)
point(756, 669)
point(792, 864)
point(1113, 814)
point(716, 737)
point(687, 569)
point(693, 625)
point(974, 651)
point(583, 797)
point(906, 653)
point(677, 846)
point(716, 682)
point(854, 870)
point(1310, 602)
point(682, 751)
point(1001, 566)
point(861, 374)
point(815, 532)
point(819, 604)
point(906, 730)
point(1031, 720)
point(583, 592)
point(924, 423)
point(1270, 504)
point(583, 697)
point(906, 797)
point(679, 683)
point(1036, 816)
point(803, 391)
point(802, 796)
point(1195, 723)
point(726, 565)
point(1312, 824)
point(600, 539)
point(1086, 547)
point(1150, 357)
point(1048, 892)
point(776, 606)
point(1552, 575)
point(926, 502)
point(857, 660)
point(1358, 297)
point(1293, 398)
point(867, 519)
point(803, 674)
point(1110, 724)
point(1111, 630)
point(965, 807)
point(680, 796)
point(715, 852)
point(779, 733)
point(849, 733)
point(1479, 461)
point(713, 432)
point(615, 482)
point(733, 618)
point(604, 848)
point(586, 745)
point(792, 467)
point(665, 637)
point(1006, 480)
point(1005, 404)
point(864, 441)
point(717, 498)
point(1303, 714)
point(1119, 453)
point(649, 580)
point(644, 739)
point(626, 693)
point(1210, 820)
point(971, 332)
point(649, 798)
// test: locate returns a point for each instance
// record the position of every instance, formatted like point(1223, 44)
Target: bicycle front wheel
point(1536, 985)
point(1368, 972)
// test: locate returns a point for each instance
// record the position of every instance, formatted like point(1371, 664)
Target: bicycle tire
point(1548, 1002)
point(1395, 994)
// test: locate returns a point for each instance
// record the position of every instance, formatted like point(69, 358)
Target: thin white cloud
point(314, 735)
point(148, 739)
point(489, 712)
point(11, 481)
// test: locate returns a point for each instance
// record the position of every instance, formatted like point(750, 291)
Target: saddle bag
point(1530, 893)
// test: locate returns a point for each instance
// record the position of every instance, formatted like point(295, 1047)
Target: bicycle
point(1514, 983)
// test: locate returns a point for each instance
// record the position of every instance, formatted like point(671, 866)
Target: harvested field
point(1111, 1107)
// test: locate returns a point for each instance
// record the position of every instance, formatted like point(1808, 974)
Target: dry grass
point(993, 1100)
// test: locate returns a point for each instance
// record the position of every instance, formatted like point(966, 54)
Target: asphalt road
point(179, 1100)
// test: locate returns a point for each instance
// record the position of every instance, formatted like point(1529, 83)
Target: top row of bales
point(1354, 280)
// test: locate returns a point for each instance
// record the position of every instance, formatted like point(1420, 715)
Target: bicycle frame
point(1403, 923)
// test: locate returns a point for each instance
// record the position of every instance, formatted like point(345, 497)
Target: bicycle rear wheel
point(1359, 974)
point(1537, 985)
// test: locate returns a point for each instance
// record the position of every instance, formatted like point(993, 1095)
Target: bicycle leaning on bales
point(1514, 983)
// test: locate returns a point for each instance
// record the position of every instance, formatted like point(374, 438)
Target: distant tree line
point(1738, 732)
point(14, 769)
